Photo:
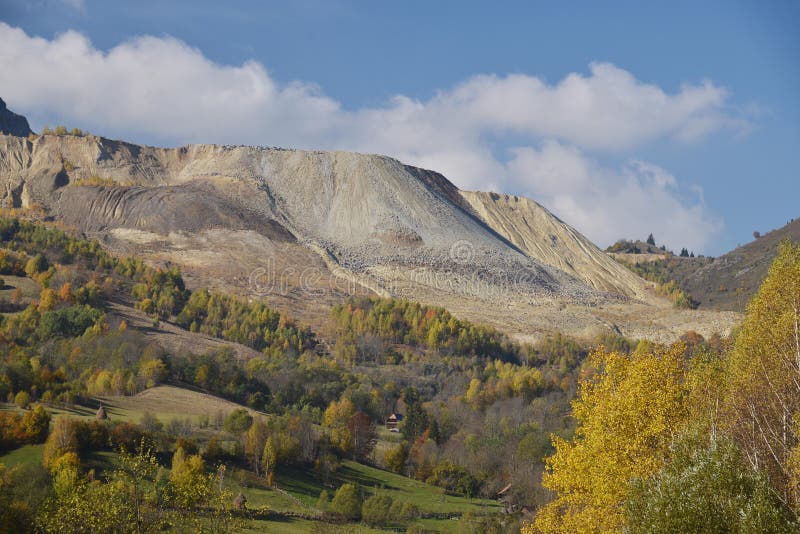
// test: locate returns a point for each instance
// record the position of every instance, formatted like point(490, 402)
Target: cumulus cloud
point(161, 90)
point(608, 204)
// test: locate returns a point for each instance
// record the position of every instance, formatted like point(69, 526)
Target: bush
point(375, 510)
point(454, 478)
point(238, 421)
point(22, 400)
point(395, 459)
point(403, 511)
point(347, 502)
point(322, 502)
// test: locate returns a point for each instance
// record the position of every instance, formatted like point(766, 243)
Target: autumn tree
point(22, 399)
point(363, 433)
point(254, 441)
point(62, 440)
point(396, 457)
point(763, 401)
point(269, 457)
point(336, 420)
point(627, 413)
point(187, 479)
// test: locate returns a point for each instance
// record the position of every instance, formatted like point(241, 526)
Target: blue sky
point(624, 118)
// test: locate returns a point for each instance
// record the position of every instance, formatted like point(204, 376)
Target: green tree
point(22, 400)
point(705, 488)
point(238, 421)
point(395, 458)
point(347, 502)
point(376, 509)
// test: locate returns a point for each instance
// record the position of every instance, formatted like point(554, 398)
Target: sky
point(680, 119)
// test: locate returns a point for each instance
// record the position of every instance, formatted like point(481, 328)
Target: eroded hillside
point(304, 229)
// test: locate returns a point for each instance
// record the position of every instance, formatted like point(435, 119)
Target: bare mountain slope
point(303, 229)
point(362, 210)
point(543, 236)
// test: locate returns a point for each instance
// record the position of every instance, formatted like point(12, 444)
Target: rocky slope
point(543, 236)
point(303, 229)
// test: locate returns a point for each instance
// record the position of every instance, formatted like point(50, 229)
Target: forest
point(611, 435)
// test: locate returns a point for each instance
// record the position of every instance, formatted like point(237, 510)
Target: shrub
point(322, 502)
point(22, 400)
point(403, 511)
point(375, 510)
point(347, 502)
point(454, 478)
point(238, 421)
point(395, 459)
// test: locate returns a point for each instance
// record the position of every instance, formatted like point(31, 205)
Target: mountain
point(304, 229)
point(545, 237)
point(11, 123)
point(729, 281)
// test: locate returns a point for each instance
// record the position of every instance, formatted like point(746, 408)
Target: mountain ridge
point(303, 229)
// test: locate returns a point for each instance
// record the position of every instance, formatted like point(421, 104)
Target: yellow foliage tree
point(60, 441)
point(187, 479)
point(628, 413)
point(336, 419)
point(763, 398)
point(47, 300)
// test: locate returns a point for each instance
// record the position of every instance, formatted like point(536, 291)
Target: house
point(504, 498)
point(392, 421)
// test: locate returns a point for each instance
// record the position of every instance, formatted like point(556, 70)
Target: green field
point(167, 403)
point(29, 454)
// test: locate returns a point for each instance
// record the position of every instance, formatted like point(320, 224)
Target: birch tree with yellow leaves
point(628, 414)
point(762, 406)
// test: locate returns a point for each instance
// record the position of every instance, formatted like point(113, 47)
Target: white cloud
point(609, 204)
point(161, 90)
